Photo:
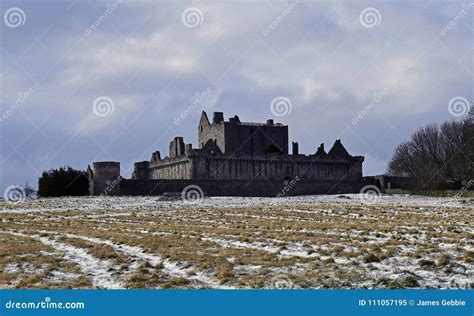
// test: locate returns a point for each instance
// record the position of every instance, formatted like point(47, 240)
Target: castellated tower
point(104, 178)
point(234, 137)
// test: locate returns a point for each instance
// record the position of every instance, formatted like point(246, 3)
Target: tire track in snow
point(89, 265)
point(171, 268)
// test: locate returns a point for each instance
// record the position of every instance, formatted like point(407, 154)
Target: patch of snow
point(97, 269)
point(173, 269)
point(11, 268)
point(155, 204)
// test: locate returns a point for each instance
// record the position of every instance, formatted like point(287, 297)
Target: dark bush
point(64, 181)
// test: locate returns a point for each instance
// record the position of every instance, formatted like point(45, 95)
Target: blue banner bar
point(237, 302)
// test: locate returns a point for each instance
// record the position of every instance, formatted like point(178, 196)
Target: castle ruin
point(235, 158)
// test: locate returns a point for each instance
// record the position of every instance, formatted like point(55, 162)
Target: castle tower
point(234, 137)
point(104, 178)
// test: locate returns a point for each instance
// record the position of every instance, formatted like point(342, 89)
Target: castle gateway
point(235, 158)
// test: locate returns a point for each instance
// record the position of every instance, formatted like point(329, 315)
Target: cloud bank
point(368, 72)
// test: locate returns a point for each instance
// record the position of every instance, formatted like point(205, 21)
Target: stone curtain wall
point(240, 187)
point(177, 168)
point(274, 168)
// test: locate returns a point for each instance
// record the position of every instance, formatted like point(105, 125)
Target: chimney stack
point(218, 117)
point(295, 148)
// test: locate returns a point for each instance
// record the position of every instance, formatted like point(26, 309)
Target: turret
point(104, 178)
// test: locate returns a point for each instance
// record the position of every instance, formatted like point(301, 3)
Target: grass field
point(295, 242)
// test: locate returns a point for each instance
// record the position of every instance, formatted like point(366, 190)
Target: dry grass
point(321, 246)
point(27, 263)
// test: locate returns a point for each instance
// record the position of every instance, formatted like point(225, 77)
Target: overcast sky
point(85, 81)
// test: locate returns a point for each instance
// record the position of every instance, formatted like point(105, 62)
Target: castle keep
point(235, 158)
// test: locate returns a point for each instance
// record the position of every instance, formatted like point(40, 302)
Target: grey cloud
point(151, 66)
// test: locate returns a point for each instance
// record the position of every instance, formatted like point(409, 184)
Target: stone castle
point(235, 158)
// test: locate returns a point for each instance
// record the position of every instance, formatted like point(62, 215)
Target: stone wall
point(246, 167)
point(274, 167)
point(240, 187)
point(176, 168)
point(392, 184)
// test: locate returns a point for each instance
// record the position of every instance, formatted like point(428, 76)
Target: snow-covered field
point(334, 241)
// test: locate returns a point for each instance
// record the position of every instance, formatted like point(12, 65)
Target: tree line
point(64, 181)
point(437, 156)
